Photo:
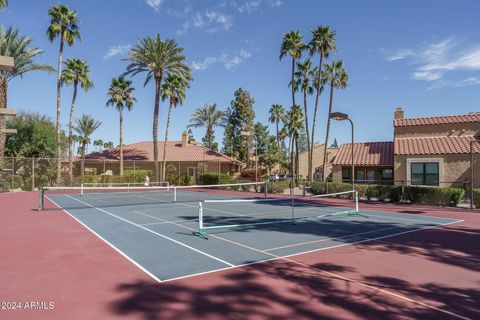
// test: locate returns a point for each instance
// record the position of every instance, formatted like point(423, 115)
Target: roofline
point(395, 121)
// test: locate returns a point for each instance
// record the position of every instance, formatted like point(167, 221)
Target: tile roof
point(366, 154)
point(143, 150)
point(462, 118)
point(434, 145)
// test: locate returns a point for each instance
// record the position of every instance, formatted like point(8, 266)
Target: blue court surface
point(157, 234)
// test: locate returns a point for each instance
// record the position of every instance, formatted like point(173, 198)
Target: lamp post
point(249, 134)
point(339, 116)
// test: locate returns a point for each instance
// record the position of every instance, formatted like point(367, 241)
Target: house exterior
point(429, 151)
point(317, 161)
point(183, 157)
point(435, 151)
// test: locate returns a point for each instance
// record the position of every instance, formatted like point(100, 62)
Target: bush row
point(413, 194)
point(476, 198)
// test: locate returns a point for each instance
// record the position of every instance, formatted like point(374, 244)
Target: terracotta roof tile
point(462, 118)
point(434, 145)
point(175, 152)
point(366, 154)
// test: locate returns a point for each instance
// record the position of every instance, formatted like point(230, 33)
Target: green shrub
point(13, 182)
point(453, 196)
point(276, 186)
point(476, 198)
point(394, 193)
point(332, 187)
point(216, 178)
point(371, 192)
point(434, 196)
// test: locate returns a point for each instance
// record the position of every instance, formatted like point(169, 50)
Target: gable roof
point(366, 154)
point(462, 118)
point(143, 150)
point(435, 145)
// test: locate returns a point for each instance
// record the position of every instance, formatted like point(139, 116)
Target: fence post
point(33, 173)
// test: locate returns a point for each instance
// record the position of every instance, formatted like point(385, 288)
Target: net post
point(81, 189)
point(265, 187)
point(293, 209)
point(200, 216)
point(174, 194)
point(40, 199)
point(356, 201)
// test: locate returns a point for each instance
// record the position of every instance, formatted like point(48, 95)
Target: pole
point(33, 174)
point(471, 175)
point(353, 154)
point(256, 160)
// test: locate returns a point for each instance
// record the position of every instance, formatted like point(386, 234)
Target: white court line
point(156, 233)
point(108, 243)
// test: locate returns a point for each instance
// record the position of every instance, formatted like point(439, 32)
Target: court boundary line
point(340, 277)
point(138, 265)
point(154, 232)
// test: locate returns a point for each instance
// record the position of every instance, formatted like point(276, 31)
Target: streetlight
point(339, 116)
point(249, 134)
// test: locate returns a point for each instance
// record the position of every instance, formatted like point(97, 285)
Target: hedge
point(476, 198)
point(413, 194)
point(276, 186)
point(216, 178)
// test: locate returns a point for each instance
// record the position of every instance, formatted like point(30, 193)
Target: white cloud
point(210, 21)
point(439, 62)
point(155, 4)
point(229, 60)
point(251, 6)
point(116, 50)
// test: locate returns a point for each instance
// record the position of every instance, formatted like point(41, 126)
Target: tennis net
point(215, 214)
point(113, 196)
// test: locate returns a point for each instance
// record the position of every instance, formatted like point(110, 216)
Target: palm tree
point(157, 58)
point(85, 127)
point(21, 50)
point(120, 93)
point(337, 77)
point(3, 3)
point(323, 42)
point(174, 90)
point(209, 117)
point(304, 76)
point(76, 72)
point(293, 126)
point(75, 139)
point(63, 24)
point(108, 145)
point(98, 144)
point(293, 46)
point(277, 115)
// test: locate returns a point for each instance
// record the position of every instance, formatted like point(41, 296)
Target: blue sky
point(421, 55)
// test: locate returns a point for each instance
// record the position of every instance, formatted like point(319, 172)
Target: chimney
point(398, 114)
point(184, 139)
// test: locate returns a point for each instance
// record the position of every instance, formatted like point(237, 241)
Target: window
point(424, 173)
point(371, 175)
point(346, 174)
point(360, 175)
point(387, 176)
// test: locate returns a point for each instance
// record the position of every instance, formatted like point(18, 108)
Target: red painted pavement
point(432, 274)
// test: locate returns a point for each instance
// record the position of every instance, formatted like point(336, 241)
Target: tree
point(3, 3)
point(304, 77)
point(20, 48)
point(158, 59)
point(334, 144)
point(294, 125)
point(292, 45)
point(108, 145)
point(120, 93)
point(98, 144)
point(63, 24)
point(276, 115)
point(35, 136)
point(240, 117)
point(191, 138)
point(208, 117)
point(85, 127)
point(337, 77)
point(76, 72)
point(323, 42)
point(174, 90)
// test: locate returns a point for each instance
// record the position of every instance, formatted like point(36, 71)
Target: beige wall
point(317, 159)
point(454, 169)
point(443, 130)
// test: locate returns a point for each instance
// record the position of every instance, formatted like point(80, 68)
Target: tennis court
point(172, 233)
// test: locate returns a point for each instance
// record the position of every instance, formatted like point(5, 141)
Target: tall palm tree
point(209, 117)
point(323, 42)
point(76, 72)
point(174, 90)
point(85, 126)
point(276, 115)
point(121, 96)
point(98, 144)
point(336, 76)
point(294, 126)
point(21, 50)
point(157, 58)
point(108, 145)
point(304, 81)
point(3, 3)
point(292, 45)
point(63, 24)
